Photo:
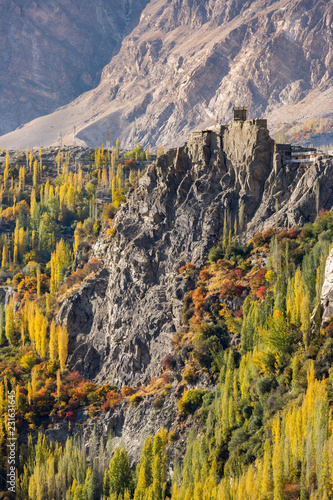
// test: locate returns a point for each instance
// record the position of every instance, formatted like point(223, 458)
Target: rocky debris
point(186, 62)
point(327, 291)
point(121, 322)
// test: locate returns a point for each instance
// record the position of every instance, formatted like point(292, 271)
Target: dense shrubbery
point(191, 400)
point(275, 371)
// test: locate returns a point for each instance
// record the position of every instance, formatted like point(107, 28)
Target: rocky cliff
point(121, 322)
point(51, 52)
point(188, 61)
point(327, 291)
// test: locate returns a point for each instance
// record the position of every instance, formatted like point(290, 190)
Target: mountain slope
point(121, 322)
point(187, 62)
point(51, 52)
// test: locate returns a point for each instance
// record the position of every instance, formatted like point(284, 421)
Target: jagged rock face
point(327, 290)
point(301, 192)
point(121, 322)
point(188, 61)
point(51, 52)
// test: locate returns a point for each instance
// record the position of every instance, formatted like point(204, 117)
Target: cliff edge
point(121, 322)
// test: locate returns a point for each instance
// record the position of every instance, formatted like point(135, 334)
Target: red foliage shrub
point(293, 233)
point(282, 234)
point(43, 402)
point(261, 292)
point(268, 234)
point(228, 289)
point(258, 279)
point(71, 415)
point(237, 273)
point(204, 275)
point(239, 290)
point(198, 298)
point(112, 401)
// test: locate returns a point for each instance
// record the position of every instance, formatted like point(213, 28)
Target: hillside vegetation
point(49, 205)
point(318, 133)
point(254, 359)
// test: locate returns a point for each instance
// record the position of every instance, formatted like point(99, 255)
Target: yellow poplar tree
point(9, 321)
point(53, 342)
point(32, 202)
point(77, 235)
point(5, 255)
point(35, 176)
point(62, 346)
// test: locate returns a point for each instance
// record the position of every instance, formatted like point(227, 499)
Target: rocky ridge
point(51, 52)
point(121, 322)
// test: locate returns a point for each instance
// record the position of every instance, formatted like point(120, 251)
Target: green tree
point(118, 478)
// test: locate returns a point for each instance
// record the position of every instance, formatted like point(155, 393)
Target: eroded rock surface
point(327, 290)
point(121, 322)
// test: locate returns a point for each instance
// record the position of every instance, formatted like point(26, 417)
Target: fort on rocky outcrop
point(121, 321)
point(240, 122)
point(284, 155)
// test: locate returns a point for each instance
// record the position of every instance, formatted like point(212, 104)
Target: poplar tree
point(2, 323)
point(62, 346)
point(118, 478)
point(117, 149)
point(5, 255)
point(9, 321)
point(53, 341)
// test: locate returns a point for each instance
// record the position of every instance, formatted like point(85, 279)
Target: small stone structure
point(240, 114)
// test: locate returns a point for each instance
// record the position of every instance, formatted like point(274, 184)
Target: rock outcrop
point(327, 290)
point(121, 322)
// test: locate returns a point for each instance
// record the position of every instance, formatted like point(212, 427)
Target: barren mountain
point(186, 62)
point(51, 52)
